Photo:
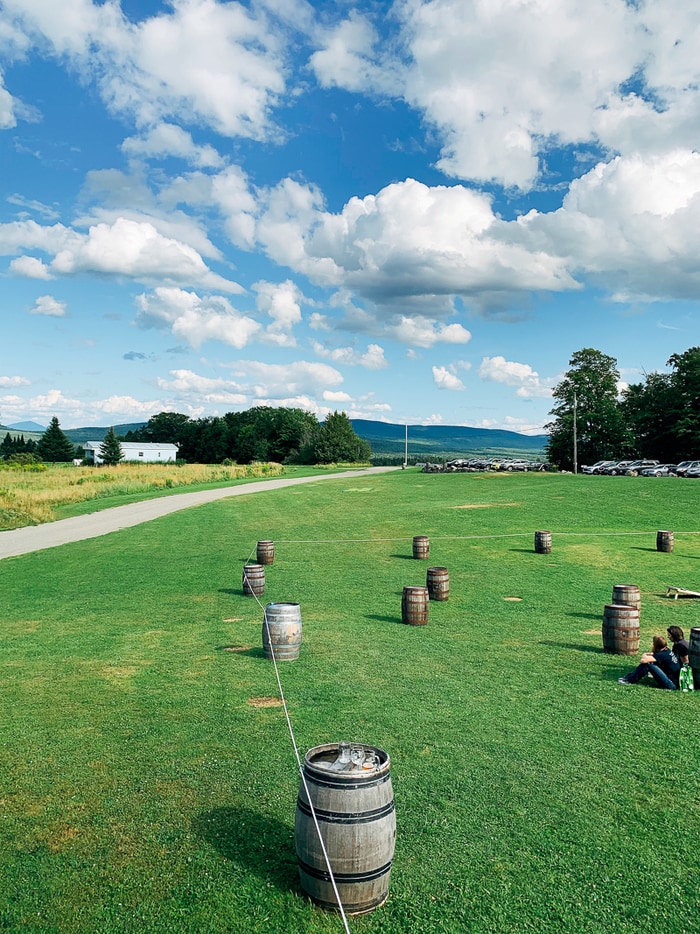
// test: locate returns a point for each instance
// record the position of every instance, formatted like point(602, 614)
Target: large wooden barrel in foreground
point(357, 822)
point(281, 631)
point(620, 629)
point(694, 655)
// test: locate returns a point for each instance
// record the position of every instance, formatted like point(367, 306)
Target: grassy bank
point(148, 787)
point(34, 496)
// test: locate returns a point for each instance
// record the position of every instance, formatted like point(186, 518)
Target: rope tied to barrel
point(300, 764)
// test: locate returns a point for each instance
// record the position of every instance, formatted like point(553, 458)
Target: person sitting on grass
point(661, 664)
point(679, 645)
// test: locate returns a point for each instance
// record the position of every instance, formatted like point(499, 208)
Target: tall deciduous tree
point(590, 385)
point(111, 450)
point(336, 441)
point(54, 445)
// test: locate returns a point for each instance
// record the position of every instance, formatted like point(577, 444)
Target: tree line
point(658, 418)
point(261, 434)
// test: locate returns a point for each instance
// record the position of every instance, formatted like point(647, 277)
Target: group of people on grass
point(664, 664)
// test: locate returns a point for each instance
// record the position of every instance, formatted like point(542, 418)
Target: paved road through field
point(37, 537)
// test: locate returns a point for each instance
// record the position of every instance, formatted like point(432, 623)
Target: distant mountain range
point(424, 441)
point(27, 426)
point(446, 440)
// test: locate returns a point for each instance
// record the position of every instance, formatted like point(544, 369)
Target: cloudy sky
point(412, 211)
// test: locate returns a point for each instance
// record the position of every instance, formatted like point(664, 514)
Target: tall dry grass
point(30, 496)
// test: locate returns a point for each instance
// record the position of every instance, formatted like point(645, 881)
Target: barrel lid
point(317, 760)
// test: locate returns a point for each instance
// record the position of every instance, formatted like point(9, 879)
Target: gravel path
point(37, 537)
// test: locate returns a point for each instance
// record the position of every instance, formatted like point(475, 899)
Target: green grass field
point(144, 789)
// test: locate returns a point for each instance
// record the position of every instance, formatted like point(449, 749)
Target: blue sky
point(414, 212)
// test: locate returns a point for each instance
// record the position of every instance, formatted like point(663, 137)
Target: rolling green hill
point(425, 441)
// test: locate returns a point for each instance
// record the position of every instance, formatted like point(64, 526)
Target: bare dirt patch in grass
point(264, 702)
point(591, 632)
point(233, 619)
point(236, 648)
point(513, 599)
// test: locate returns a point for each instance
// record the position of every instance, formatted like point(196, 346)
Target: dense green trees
point(16, 445)
point(54, 446)
point(262, 433)
point(111, 450)
point(658, 418)
point(335, 440)
point(663, 413)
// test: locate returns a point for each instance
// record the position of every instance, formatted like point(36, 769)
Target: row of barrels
point(344, 818)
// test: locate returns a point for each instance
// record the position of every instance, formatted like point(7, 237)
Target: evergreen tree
point(589, 394)
point(54, 446)
point(111, 450)
point(336, 441)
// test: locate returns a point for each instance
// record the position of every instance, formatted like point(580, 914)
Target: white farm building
point(140, 451)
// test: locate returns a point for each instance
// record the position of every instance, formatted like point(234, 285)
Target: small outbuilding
point(135, 451)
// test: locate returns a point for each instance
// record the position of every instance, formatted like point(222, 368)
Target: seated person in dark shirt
point(679, 645)
point(661, 664)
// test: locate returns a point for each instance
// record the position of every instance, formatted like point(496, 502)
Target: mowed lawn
point(147, 779)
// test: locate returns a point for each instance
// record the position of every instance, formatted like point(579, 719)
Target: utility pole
point(575, 439)
point(405, 456)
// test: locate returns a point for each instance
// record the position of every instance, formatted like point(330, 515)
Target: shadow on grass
point(233, 591)
point(247, 650)
point(408, 557)
point(383, 619)
point(573, 645)
point(641, 548)
point(253, 841)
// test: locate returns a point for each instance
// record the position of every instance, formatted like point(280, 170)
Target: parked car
point(617, 468)
point(693, 472)
point(681, 468)
point(517, 465)
point(597, 467)
point(660, 470)
point(636, 467)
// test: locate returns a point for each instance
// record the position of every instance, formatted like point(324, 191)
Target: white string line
point(440, 538)
point(300, 765)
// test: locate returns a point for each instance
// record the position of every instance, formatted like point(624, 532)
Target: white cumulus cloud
point(50, 306)
point(530, 384)
point(445, 379)
point(195, 319)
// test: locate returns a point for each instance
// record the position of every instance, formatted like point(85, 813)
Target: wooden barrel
point(627, 595)
point(265, 552)
point(357, 824)
point(253, 580)
point(281, 631)
point(543, 543)
point(620, 629)
point(694, 655)
point(664, 541)
point(438, 584)
point(421, 547)
point(414, 606)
